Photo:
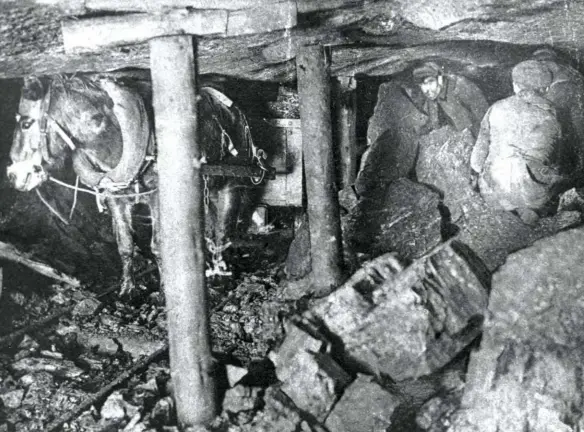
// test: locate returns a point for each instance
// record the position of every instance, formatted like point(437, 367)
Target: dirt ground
point(53, 368)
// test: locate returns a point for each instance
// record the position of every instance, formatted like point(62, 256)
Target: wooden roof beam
point(82, 7)
point(93, 34)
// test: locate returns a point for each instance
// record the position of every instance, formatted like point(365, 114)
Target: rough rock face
point(527, 373)
point(408, 323)
point(298, 261)
point(404, 218)
point(392, 136)
point(365, 406)
point(444, 164)
point(310, 377)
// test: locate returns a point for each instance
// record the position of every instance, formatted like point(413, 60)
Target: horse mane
point(83, 85)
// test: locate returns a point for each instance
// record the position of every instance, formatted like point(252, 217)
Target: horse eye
point(26, 124)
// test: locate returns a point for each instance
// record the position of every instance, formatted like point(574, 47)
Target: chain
point(206, 191)
point(218, 266)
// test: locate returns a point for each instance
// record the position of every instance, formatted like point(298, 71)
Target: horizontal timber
point(92, 34)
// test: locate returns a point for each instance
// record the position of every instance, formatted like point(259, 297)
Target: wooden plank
point(265, 18)
point(346, 129)
point(182, 228)
point(92, 6)
point(157, 5)
point(236, 171)
point(10, 253)
point(241, 61)
point(304, 6)
point(95, 33)
point(319, 168)
point(102, 32)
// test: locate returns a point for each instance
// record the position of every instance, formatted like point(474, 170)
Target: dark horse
point(106, 129)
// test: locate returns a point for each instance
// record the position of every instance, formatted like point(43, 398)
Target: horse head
point(55, 118)
point(26, 171)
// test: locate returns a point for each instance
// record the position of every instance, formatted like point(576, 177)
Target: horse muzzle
point(25, 175)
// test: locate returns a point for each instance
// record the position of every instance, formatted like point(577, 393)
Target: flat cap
point(531, 75)
point(429, 69)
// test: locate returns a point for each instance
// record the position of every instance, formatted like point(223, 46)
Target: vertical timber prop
point(170, 28)
point(345, 127)
point(317, 144)
point(182, 228)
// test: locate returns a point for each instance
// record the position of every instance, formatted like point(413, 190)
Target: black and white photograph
point(292, 215)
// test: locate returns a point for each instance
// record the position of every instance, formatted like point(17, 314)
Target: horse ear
point(33, 88)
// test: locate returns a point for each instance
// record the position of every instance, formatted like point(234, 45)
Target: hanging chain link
point(206, 191)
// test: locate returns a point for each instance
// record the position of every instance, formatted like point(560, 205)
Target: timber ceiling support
point(367, 37)
point(314, 93)
point(182, 229)
point(181, 217)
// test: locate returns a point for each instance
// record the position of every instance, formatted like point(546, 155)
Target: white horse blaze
point(27, 174)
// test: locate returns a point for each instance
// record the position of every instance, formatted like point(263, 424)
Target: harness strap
point(256, 154)
point(219, 96)
point(46, 123)
point(43, 124)
point(54, 124)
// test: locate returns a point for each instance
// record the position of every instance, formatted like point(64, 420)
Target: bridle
point(46, 123)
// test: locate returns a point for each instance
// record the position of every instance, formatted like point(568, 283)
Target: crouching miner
point(519, 149)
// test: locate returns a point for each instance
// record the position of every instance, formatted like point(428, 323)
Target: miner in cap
point(566, 93)
point(519, 155)
point(449, 99)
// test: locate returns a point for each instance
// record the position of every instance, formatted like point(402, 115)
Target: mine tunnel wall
point(87, 247)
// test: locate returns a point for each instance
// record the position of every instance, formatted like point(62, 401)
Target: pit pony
point(103, 128)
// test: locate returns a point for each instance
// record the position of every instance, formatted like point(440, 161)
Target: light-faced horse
point(105, 129)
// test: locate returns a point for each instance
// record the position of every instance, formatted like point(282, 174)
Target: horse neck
point(97, 136)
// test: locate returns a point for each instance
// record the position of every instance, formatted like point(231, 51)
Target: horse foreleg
point(121, 211)
point(227, 213)
point(155, 240)
point(228, 205)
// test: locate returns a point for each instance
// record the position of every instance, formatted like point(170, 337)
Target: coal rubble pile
point(397, 347)
point(102, 363)
point(458, 318)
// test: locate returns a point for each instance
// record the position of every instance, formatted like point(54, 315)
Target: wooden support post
point(182, 228)
point(345, 127)
point(319, 168)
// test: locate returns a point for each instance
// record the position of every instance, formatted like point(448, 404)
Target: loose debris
point(387, 350)
point(364, 406)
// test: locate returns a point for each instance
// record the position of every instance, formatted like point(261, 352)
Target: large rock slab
point(444, 162)
point(492, 233)
point(309, 375)
point(527, 373)
point(315, 383)
point(409, 323)
point(364, 407)
point(392, 138)
point(403, 218)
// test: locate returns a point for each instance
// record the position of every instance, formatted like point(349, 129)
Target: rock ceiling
point(373, 38)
